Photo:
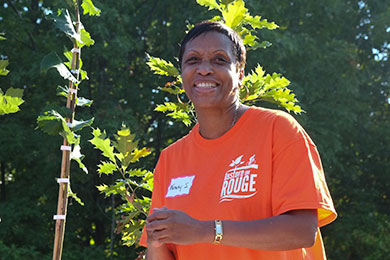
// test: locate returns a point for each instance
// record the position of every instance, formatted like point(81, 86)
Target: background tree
point(335, 53)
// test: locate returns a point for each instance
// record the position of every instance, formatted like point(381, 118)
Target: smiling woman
point(211, 79)
point(246, 182)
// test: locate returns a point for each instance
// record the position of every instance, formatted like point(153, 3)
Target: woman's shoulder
point(272, 115)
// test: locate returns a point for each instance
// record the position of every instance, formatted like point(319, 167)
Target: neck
point(213, 123)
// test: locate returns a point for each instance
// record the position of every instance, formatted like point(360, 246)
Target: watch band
point(218, 232)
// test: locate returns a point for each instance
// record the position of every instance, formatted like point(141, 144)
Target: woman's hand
point(175, 226)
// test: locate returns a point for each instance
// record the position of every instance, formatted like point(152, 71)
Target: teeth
point(205, 85)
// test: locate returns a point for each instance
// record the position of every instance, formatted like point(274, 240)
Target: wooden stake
point(65, 165)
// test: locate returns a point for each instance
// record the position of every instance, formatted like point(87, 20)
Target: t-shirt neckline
point(232, 131)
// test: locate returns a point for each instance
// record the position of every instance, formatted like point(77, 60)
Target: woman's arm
point(291, 230)
point(158, 253)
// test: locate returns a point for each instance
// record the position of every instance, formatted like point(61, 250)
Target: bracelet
point(218, 232)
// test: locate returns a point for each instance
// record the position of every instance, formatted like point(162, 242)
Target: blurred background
point(334, 52)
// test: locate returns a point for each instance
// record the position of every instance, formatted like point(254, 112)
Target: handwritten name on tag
point(180, 186)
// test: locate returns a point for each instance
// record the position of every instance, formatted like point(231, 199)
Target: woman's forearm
point(159, 253)
point(292, 230)
point(296, 229)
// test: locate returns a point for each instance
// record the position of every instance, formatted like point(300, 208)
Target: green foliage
point(178, 111)
point(271, 88)
point(211, 4)
point(131, 184)
point(257, 85)
point(85, 38)
point(77, 156)
point(341, 84)
point(90, 8)
point(162, 67)
point(64, 22)
point(52, 60)
point(10, 101)
point(3, 67)
point(53, 123)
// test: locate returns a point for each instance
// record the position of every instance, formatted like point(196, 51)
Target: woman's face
point(209, 72)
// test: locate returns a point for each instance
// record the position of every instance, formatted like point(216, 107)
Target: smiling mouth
point(205, 85)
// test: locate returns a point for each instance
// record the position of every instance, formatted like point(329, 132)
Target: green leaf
point(53, 61)
point(89, 8)
point(137, 172)
point(78, 125)
point(107, 168)
point(83, 102)
point(52, 123)
point(175, 90)
point(167, 106)
point(263, 44)
point(103, 144)
point(64, 23)
point(85, 39)
point(256, 22)
point(162, 67)
point(117, 188)
point(80, 101)
point(10, 102)
point(73, 195)
point(137, 154)
point(102, 188)
point(270, 88)
point(77, 156)
point(182, 116)
point(234, 13)
point(249, 39)
point(69, 56)
point(125, 145)
point(180, 112)
point(226, 2)
point(83, 75)
point(2, 36)
point(3, 65)
point(62, 91)
point(211, 4)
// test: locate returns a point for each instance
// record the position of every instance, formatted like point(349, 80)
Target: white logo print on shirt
point(240, 180)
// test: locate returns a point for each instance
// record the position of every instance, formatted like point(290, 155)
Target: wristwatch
point(218, 232)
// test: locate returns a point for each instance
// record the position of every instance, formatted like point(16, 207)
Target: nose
point(204, 68)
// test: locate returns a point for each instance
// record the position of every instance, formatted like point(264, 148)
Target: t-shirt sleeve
point(157, 195)
point(298, 180)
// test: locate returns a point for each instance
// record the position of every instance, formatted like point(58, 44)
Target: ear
point(241, 76)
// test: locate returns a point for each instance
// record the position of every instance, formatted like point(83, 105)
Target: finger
point(157, 225)
point(158, 215)
point(161, 235)
point(160, 209)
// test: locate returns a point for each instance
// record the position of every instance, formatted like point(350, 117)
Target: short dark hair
point(238, 47)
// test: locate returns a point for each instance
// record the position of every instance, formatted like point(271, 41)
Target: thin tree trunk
point(65, 166)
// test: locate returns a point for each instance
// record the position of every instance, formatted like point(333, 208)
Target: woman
point(246, 182)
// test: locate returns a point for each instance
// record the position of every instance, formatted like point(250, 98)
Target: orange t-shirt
point(265, 165)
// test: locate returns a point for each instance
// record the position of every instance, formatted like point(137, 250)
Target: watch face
point(218, 232)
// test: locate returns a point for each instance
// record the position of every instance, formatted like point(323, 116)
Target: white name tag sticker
point(180, 186)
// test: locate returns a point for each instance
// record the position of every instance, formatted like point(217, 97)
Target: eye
point(191, 60)
point(221, 60)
